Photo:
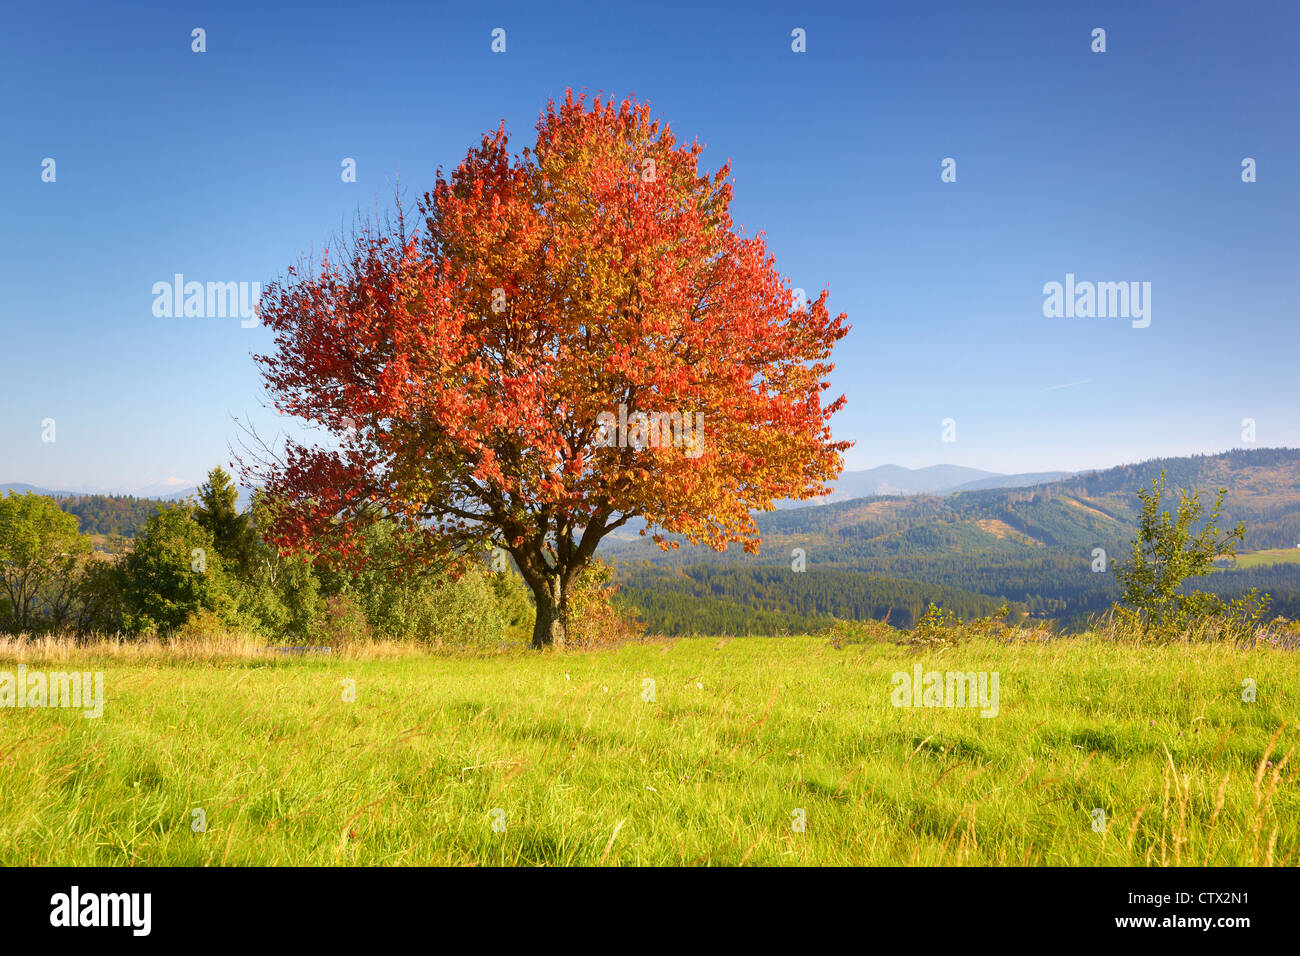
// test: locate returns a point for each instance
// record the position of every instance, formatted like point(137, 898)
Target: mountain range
point(165, 491)
point(1036, 546)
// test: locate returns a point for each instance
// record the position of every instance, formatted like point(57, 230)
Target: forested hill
point(122, 515)
point(1037, 545)
point(711, 600)
point(117, 515)
point(1073, 515)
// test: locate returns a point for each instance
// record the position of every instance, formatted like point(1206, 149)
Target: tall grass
point(742, 739)
point(209, 647)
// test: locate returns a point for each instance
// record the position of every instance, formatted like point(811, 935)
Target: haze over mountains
point(896, 480)
point(1075, 512)
point(163, 491)
point(168, 492)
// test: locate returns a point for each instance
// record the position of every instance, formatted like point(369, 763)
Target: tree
point(173, 571)
point(573, 337)
point(218, 511)
point(41, 552)
point(1167, 551)
point(277, 594)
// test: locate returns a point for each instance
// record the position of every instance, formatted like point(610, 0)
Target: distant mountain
point(20, 488)
point(164, 491)
point(1012, 481)
point(1263, 490)
point(933, 480)
point(242, 502)
point(897, 480)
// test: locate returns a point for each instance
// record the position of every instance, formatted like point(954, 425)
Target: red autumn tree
point(573, 337)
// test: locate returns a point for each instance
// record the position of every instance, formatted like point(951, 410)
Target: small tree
point(278, 594)
point(218, 511)
point(41, 557)
point(173, 571)
point(1169, 550)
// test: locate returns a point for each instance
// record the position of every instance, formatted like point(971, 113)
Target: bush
point(940, 628)
point(936, 628)
point(99, 606)
point(1166, 552)
point(594, 619)
point(844, 632)
point(341, 623)
point(461, 606)
point(201, 625)
point(42, 556)
point(514, 601)
point(279, 597)
point(463, 613)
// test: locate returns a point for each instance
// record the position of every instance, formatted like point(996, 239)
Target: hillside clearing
point(1255, 559)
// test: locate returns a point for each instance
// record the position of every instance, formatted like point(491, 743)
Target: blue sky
point(1116, 166)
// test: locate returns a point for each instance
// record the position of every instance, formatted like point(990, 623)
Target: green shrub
point(341, 623)
point(1166, 552)
point(173, 571)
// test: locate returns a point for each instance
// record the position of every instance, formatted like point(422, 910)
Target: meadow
point(748, 751)
point(1256, 559)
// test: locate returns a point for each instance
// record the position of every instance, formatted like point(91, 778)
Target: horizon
point(182, 487)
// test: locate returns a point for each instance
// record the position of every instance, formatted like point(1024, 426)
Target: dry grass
point(218, 646)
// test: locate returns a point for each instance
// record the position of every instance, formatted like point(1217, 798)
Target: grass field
point(743, 739)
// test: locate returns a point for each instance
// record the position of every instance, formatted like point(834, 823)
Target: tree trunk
point(552, 615)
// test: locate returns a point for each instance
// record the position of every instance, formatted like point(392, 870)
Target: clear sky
point(1122, 166)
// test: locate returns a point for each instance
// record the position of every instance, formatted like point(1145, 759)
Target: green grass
point(1254, 559)
point(742, 734)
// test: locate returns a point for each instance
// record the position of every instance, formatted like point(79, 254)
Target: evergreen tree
point(218, 512)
